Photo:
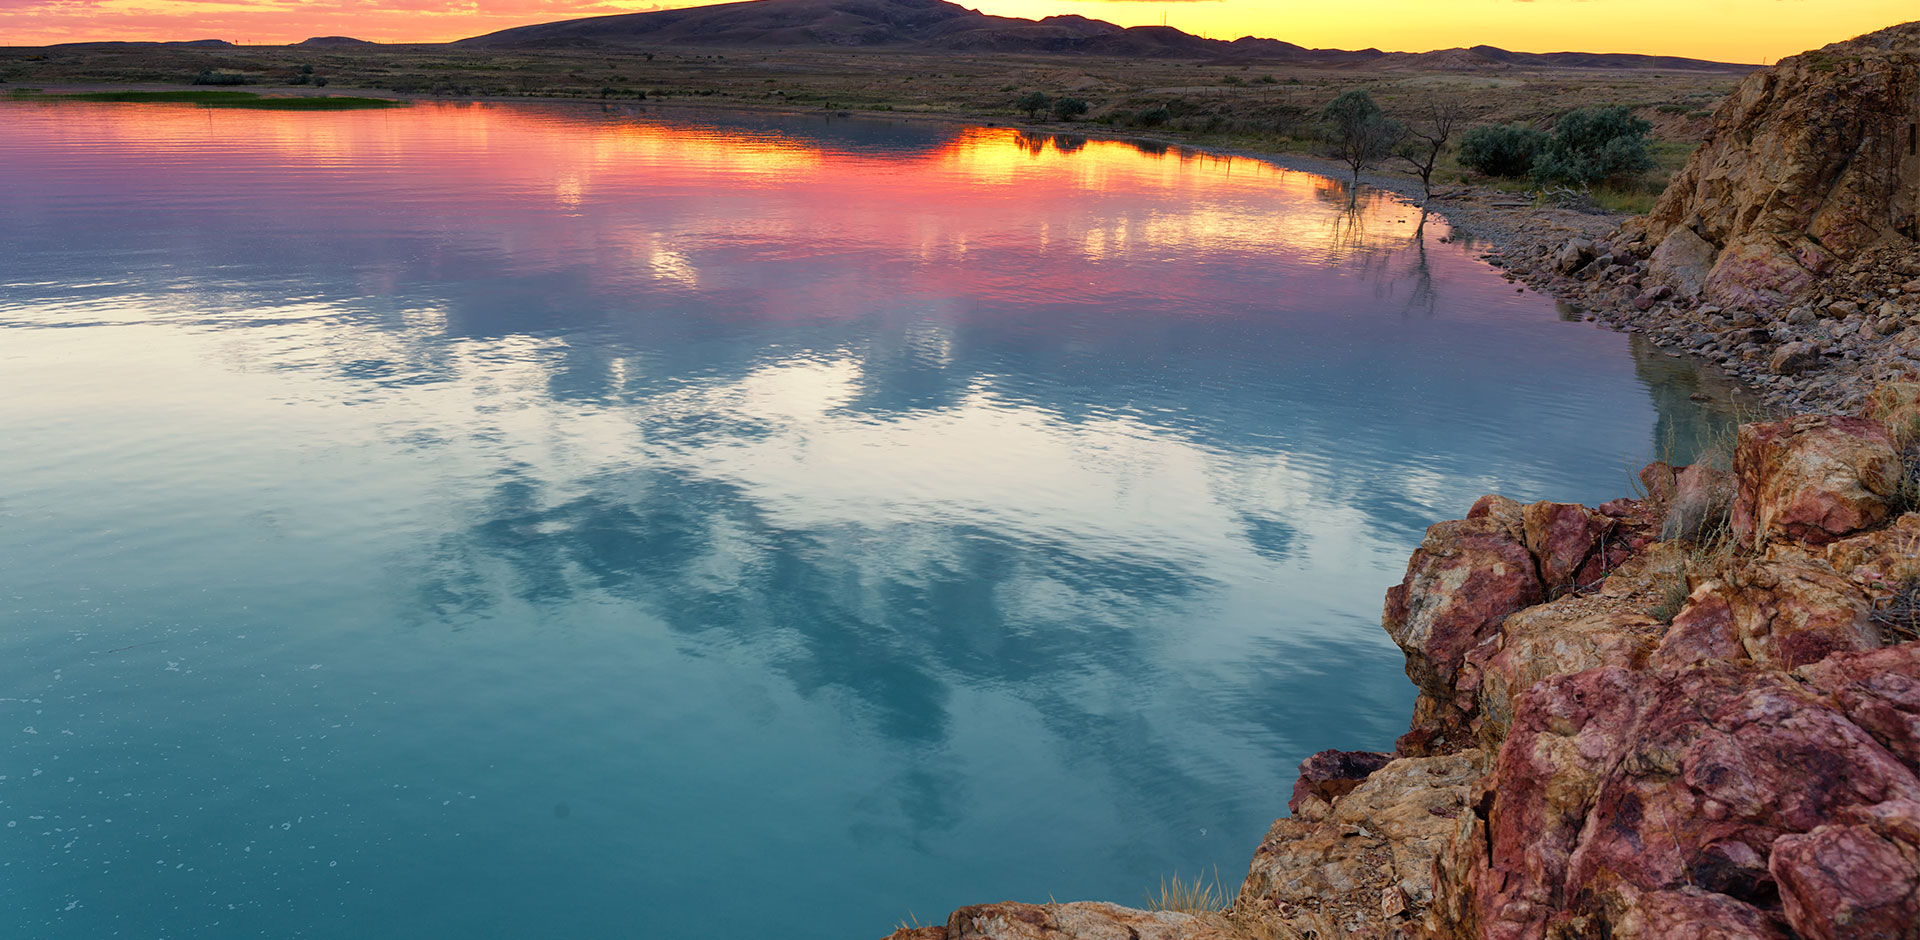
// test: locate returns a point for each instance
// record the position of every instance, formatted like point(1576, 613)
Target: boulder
point(1882, 563)
point(1794, 358)
point(1682, 263)
point(1563, 539)
point(1807, 166)
point(1787, 610)
point(1879, 691)
point(1375, 852)
point(1618, 788)
point(1462, 582)
point(1571, 635)
point(1844, 882)
point(1083, 920)
point(1330, 775)
point(1813, 478)
point(1650, 296)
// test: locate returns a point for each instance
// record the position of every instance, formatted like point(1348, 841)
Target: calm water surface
point(492, 521)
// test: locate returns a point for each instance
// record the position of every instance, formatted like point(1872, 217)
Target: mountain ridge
point(937, 25)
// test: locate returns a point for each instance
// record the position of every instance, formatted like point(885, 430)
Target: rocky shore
point(1785, 250)
point(1692, 714)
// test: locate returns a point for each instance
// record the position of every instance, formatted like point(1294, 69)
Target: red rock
point(1882, 562)
point(1879, 691)
point(1684, 913)
point(1784, 611)
point(1806, 166)
point(1562, 537)
point(1507, 512)
point(1462, 582)
point(1848, 882)
point(1660, 479)
point(1551, 640)
point(1330, 775)
point(1616, 786)
point(1813, 478)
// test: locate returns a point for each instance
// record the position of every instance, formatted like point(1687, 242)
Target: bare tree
point(1358, 134)
point(1428, 132)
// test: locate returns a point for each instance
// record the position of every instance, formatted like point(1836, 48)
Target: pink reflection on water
point(640, 201)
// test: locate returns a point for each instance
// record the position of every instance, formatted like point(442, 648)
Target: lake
point(580, 521)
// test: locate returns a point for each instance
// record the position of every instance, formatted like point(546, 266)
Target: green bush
point(1501, 150)
point(1066, 109)
point(1033, 103)
point(1154, 117)
point(1589, 145)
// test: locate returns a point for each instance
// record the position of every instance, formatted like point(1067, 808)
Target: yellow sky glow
point(1732, 30)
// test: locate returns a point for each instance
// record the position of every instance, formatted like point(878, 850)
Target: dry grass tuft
point(1199, 896)
point(1899, 616)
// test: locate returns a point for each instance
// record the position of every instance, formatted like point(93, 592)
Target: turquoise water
point(545, 521)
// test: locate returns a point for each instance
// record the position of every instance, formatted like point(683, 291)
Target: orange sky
point(1737, 30)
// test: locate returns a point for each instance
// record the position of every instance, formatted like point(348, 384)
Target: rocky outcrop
point(1786, 610)
point(1366, 863)
point(1579, 766)
point(1077, 921)
point(1617, 786)
point(1808, 164)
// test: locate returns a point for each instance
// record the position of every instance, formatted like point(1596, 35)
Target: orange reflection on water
point(672, 187)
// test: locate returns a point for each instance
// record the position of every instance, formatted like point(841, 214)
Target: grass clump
point(1199, 896)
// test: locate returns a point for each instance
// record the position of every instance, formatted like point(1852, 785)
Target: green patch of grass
point(329, 103)
point(223, 99)
point(1633, 199)
point(194, 97)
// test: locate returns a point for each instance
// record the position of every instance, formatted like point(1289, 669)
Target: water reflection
point(852, 498)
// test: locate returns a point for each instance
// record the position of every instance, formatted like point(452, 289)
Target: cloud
point(36, 22)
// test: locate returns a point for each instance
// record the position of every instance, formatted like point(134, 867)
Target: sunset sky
point(1735, 30)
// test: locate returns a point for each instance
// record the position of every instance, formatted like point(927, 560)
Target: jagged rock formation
point(1743, 765)
point(1809, 165)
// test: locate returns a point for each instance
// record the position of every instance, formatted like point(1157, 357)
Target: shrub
point(1154, 117)
point(210, 77)
point(1593, 144)
point(1066, 109)
point(1033, 103)
point(1501, 150)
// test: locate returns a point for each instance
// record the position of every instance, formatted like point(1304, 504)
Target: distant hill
point(939, 25)
point(334, 42)
point(189, 44)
